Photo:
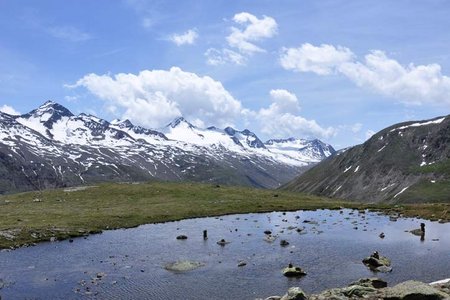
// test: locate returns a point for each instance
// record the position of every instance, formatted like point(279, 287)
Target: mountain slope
point(51, 147)
point(407, 162)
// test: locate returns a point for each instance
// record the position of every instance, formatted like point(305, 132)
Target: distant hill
point(51, 147)
point(407, 162)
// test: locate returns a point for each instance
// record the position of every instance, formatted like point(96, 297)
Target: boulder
point(378, 263)
point(413, 290)
point(370, 282)
point(292, 271)
point(294, 293)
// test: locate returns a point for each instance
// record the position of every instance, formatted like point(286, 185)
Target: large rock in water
point(292, 271)
point(378, 263)
point(413, 290)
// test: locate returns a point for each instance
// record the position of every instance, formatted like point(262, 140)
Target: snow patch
point(437, 121)
point(404, 189)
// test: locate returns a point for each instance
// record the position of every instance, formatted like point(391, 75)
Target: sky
point(334, 70)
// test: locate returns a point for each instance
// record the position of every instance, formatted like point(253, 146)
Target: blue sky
point(336, 70)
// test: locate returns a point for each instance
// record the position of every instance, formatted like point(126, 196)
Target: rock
point(417, 232)
point(267, 232)
point(378, 263)
point(357, 291)
point(242, 263)
point(222, 242)
point(183, 266)
point(412, 290)
point(270, 238)
point(292, 271)
point(294, 293)
point(370, 282)
point(284, 243)
point(182, 237)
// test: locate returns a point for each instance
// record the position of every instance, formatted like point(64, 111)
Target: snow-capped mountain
point(300, 149)
point(51, 147)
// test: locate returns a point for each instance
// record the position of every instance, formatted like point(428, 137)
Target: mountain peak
point(52, 108)
point(179, 120)
point(122, 123)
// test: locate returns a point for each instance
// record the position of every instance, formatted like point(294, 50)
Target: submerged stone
point(183, 266)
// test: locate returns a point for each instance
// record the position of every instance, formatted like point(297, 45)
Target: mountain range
point(406, 162)
point(51, 147)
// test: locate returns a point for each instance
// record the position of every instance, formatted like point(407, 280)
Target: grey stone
point(370, 282)
point(294, 293)
point(413, 290)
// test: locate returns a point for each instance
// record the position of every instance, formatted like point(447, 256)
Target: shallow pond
point(130, 262)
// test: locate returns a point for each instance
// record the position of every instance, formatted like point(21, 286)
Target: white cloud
point(243, 39)
point(252, 30)
point(284, 101)
point(322, 60)
point(69, 33)
point(281, 118)
point(154, 98)
point(9, 110)
point(215, 57)
point(411, 84)
point(187, 38)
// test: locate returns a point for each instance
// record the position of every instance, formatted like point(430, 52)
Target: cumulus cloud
point(154, 98)
point(411, 84)
point(186, 38)
point(281, 118)
point(215, 57)
point(9, 110)
point(243, 39)
point(322, 60)
point(252, 30)
point(284, 101)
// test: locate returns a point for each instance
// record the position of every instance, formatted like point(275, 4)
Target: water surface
point(131, 261)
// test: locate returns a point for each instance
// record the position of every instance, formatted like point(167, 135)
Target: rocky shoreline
point(375, 289)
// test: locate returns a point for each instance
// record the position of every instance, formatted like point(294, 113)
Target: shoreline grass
point(33, 217)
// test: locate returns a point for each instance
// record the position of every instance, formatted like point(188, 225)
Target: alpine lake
point(328, 245)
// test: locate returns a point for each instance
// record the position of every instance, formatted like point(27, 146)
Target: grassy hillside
point(62, 213)
point(404, 163)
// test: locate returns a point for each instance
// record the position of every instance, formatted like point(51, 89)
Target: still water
point(130, 262)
